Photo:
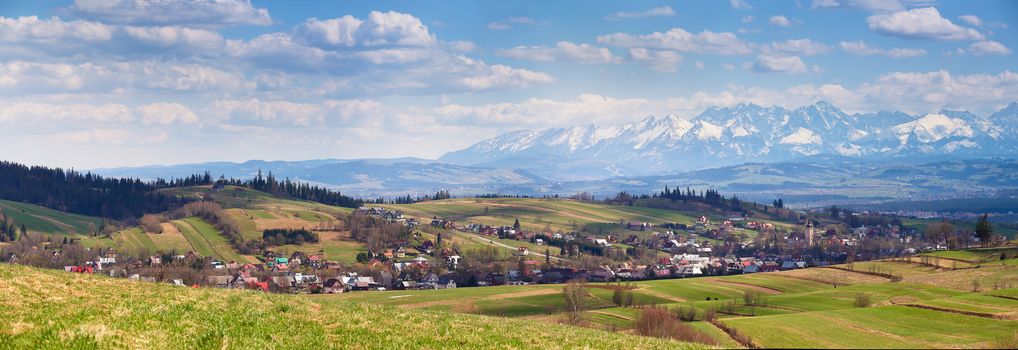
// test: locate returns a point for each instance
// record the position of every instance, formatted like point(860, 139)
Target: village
point(735, 245)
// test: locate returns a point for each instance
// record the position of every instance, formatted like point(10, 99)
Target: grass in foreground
point(56, 310)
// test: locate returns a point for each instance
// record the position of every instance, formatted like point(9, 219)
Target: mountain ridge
point(722, 136)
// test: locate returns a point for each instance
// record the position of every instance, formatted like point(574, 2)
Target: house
point(155, 260)
point(602, 242)
point(453, 260)
point(751, 269)
point(218, 281)
point(445, 282)
point(522, 251)
point(633, 240)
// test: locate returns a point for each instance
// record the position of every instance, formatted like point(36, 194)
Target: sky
point(107, 83)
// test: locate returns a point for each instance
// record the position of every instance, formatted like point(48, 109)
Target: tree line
point(82, 193)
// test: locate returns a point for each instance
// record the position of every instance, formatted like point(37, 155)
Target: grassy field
point(876, 327)
point(815, 307)
point(44, 220)
point(58, 310)
point(536, 214)
point(207, 241)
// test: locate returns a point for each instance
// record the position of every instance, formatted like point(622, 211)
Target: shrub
point(151, 223)
point(656, 322)
point(686, 313)
point(862, 300)
point(710, 314)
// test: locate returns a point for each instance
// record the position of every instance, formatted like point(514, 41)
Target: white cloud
point(988, 47)
point(563, 51)
point(663, 11)
point(920, 23)
point(680, 40)
point(379, 29)
point(972, 20)
point(804, 47)
point(498, 75)
point(540, 113)
point(196, 12)
point(26, 78)
point(780, 21)
point(659, 60)
point(861, 48)
point(241, 114)
point(747, 19)
point(29, 112)
point(782, 64)
point(740, 5)
point(510, 22)
point(198, 39)
point(868, 5)
point(33, 29)
point(162, 113)
point(698, 65)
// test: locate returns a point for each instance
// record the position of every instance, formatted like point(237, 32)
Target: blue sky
point(92, 83)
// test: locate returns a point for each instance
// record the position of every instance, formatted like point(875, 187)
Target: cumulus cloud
point(379, 29)
point(780, 21)
point(804, 47)
point(562, 51)
point(677, 39)
point(861, 48)
point(501, 76)
point(747, 19)
point(781, 64)
point(663, 11)
point(163, 113)
point(510, 22)
point(920, 23)
point(192, 12)
point(988, 47)
point(385, 52)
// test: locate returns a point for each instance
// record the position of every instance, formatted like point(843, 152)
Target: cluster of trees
point(288, 236)
point(378, 234)
point(82, 193)
point(9, 232)
point(709, 197)
point(301, 190)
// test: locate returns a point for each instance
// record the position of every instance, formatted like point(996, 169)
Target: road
point(500, 244)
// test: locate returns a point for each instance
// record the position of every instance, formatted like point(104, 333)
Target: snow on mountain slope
point(932, 128)
point(747, 132)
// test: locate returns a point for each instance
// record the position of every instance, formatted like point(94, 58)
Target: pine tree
point(516, 225)
point(984, 230)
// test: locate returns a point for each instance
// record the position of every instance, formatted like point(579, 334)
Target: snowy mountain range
point(744, 133)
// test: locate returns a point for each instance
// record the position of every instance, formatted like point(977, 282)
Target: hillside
point(45, 309)
point(45, 220)
point(929, 307)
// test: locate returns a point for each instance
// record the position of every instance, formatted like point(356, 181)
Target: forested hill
point(124, 198)
point(81, 193)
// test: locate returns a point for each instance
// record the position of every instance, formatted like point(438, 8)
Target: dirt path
point(655, 293)
point(500, 244)
point(999, 316)
point(761, 289)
